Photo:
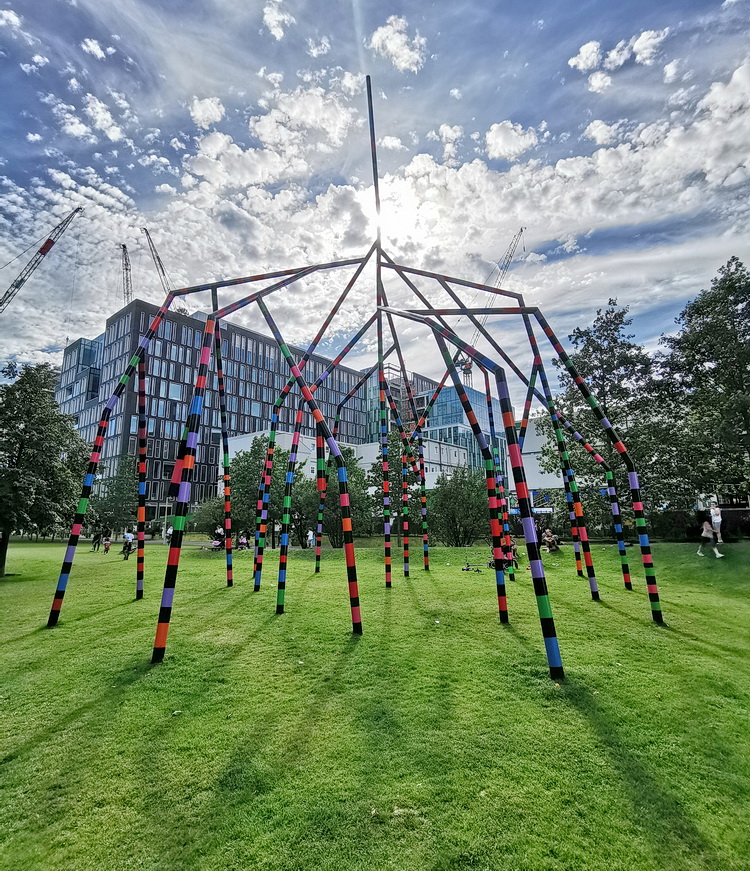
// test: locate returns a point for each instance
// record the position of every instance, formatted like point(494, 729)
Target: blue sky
point(617, 134)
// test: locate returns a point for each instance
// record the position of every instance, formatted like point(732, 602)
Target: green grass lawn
point(435, 741)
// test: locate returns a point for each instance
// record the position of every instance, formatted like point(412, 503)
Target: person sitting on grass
point(707, 540)
point(549, 541)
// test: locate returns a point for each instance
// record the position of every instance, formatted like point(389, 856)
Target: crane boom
point(502, 270)
point(127, 281)
point(26, 272)
point(165, 282)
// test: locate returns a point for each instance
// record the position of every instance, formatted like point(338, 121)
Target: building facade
point(255, 373)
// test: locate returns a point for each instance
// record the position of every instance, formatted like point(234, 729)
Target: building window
point(175, 391)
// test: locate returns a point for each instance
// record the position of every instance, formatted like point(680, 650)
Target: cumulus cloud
point(8, 18)
point(276, 19)
point(588, 58)
point(601, 133)
point(33, 137)
point(617, 56)
point(599, 82)
point(92, 47)
point(206, 112)
point(508, 141)
point(450, 137)
point(70, 124)
point(392, 41)
point(646, 46)
point(321, 47)
point(456, 94)
point(13, 21)
point(101, 118)
point(392, 143)
point(671, 70)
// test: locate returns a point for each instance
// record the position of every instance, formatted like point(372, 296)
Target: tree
point(246, 469)
point(42, 458)
point(360, 502)
point(116, 503)
point(458, 507)
point(395, 483)
point(707, 365)
point(644, 409)
point(210, 515)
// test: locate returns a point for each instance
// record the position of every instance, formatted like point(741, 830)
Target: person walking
point(310, 538)
point(707, 540)
point(96, 541)
point(127, 543)
point(716, 521)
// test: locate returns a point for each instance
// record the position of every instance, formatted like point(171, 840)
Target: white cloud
point(671, 71)
point(206, 112)
point(617, 56)
point(11, 20)
point(92, 47)
point(321, 47)
point(450, 137)
point(33, 137)
point(588, 58)
point(601, 133)
point(456, 94)
point(176, 144)
point(392, 41)
point(392, 143)
point(8, 18)
point(276, 19)
point(646, 46)
point(74, 85)
point(599, 82)
point(102, 119)
point(508, 141)
point(37, 62)
point(70, 124)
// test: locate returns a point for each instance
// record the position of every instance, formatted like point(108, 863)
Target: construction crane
point(127, 281)
point(502, 267)
point(165, 281)
point(7, 297)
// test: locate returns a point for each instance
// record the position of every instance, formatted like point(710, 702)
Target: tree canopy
point(42, 457)
point(457, 507)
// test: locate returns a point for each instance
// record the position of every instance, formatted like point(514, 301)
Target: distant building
point(255, 373)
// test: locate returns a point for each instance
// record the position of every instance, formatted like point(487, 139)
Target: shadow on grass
point(122, 682)
point(671, 833)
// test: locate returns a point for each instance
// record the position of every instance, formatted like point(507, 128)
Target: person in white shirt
point(716, 521)
point(127, 543)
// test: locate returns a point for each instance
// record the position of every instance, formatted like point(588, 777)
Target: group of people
point(101, 537)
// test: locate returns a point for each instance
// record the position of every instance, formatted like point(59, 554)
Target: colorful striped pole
point(264, 488)
point(423, 503)
point(183, 497)
point(578, 522)
point(140, 561)
point(544, 607)
point(640, 519)
point(499, 478)
point(322, 483)
point(346, 518)
point(88, 481)
point(383, 431)
point(224, 445)
point(286, 509)
point(489, 469)
point(613, 498)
